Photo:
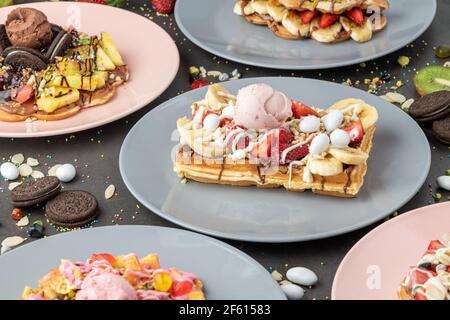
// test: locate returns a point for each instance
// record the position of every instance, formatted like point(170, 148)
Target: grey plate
point(398, 166)
point(222, 268)
point(213, 26)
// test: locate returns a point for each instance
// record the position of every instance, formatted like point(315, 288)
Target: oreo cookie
point(34, 192)
point(431, 107)
point(441, 129)
point(72, 209)
point(21, 57)
point(61, 43)
point(4, 40)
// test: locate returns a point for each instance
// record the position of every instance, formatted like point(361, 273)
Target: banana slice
point(328, 35)
point(335, 7)
point(197, 140)
point(243, 8)
point(379, 23)
point(276, 10)
point(358, 33)
point(328, 166)
point(293, 24)
point(357, 107)
point(380, 4)
point(349, 155)
point(218, 97)
point(260, 6)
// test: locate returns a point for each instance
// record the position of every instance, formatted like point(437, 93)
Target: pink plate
point(375, 266)
point(149, 51)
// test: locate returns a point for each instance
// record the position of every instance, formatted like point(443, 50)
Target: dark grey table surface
point(95, 152)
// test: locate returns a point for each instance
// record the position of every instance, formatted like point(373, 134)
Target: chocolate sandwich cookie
point(61, 43)
point(441, 129)
point(35, 192)
point(21, 57)
point(431, 107)
point(4, 40)
point(72, 209)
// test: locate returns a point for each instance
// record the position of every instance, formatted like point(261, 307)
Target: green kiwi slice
point(432, 79)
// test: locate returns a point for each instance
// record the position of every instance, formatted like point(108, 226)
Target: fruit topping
point(285, 136)
point(181, 288)
point(24, 94)
point(419, 276)
point(263, 149)
point(355, 131)
point(434, 246)
point(327, 20)
point(307, 16)
point(198, 83)
point(356, 15)
point(104, 256)
point(294, 154)
point(301, 110)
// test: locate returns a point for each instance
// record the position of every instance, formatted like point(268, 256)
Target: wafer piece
point(346, 184)
point(326, 21)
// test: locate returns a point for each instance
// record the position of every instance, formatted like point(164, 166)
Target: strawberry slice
point(205, 112)
point(420, 296)
point(327, 20)
point(356, 15)
point(263, 149)
point(24, 94)
point(307, 16)
point(296, 154)
point(355, 131)
point(104, 256)
point(181, 288)
point(419, 276)
point(198, 83)
point(301, 110)
point(242, 143)
point(434, 246)
point(285, 136)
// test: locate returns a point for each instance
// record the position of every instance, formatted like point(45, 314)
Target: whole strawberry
point(163, 6)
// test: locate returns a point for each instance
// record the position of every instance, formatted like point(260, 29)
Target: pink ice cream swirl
point(260, 107)
point(104, 285)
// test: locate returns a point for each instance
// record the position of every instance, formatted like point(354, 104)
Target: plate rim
point(360, 242)
point(127, 112)
point(218, 243)
point(260, 239)
point(205, 47)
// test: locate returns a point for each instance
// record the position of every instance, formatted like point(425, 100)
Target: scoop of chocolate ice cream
point(28, 27)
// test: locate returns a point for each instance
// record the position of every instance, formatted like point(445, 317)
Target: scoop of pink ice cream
point(259, 106)
point(102, 285)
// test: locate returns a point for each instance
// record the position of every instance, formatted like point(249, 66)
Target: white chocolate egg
point(302, 276)
point(444, 182)
point(228, 112)
point(309, 124)
point(211, 122)
point(333, 120)
point(66, 173)
point(9, 171)
point(292, 291)
point(319, 144)
point(339, 138)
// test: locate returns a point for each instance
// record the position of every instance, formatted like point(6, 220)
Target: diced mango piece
point(151, 261)
point(110, 49)
point(196, 295)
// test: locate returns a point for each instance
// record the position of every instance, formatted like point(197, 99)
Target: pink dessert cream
point(107, 277)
